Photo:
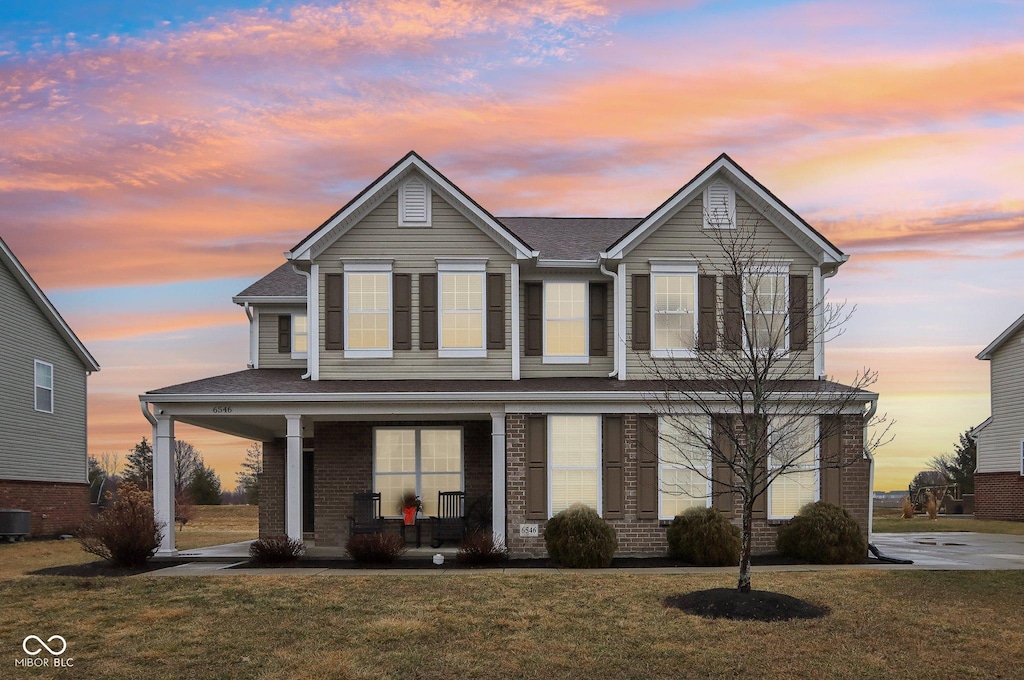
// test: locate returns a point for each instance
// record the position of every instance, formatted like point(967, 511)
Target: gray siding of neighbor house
point(414, 251)
point(1000, 442)
point(683, 236)
point(270, 357)
point(34, 445)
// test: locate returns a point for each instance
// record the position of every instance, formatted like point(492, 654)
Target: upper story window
point(565, 322)
point(766, 306)
point(368, 310)
point(674, 310)
point(574, 443)
point(719, 206)
point(462, 318)
point(44, 386)
point(793, 447)
point(684, 465)
point(414, 203)
point(300, 336)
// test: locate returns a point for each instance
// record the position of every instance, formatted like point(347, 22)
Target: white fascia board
point(986, 353)
point(568, 264)
point(269, 299)
point(977, 431)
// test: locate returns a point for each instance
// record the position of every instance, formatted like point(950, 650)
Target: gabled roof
point(365, 200)
point(284, 283)
point(1002, 339)
point(46, 307)
point(802, 233)
point(570, 238)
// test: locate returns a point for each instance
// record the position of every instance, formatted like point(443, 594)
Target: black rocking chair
point(365, 517)
point(450, 522)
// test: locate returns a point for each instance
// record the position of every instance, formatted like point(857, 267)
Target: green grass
point(887, 520)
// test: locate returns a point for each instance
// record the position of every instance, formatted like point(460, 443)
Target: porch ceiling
point(265, 428)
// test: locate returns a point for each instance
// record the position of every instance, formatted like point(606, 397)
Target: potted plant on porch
point(411, 505)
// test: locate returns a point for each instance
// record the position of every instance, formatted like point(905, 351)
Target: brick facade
point(56, 507)
point(999, 495)
point(272, 488)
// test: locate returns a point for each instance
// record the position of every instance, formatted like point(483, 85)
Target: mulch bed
point(104, 568)
point(757, 605)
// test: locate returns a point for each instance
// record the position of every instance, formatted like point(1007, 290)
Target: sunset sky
point(157, 157)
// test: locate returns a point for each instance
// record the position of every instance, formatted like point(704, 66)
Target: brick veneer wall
point(648, 536)
point(272, 488)
point(999, 495)
point(56, 507)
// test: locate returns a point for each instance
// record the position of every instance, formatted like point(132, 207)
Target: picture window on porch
point(575, 462)
point(794, 447)
point(368, 311)
point(424, 460)
point(684, 465)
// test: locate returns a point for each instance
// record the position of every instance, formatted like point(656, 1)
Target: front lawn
point(887, 520)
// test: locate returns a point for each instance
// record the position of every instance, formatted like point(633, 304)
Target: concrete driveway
point(954, 549)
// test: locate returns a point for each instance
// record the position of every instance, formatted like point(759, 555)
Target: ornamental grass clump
point(704, 537)
point(126, 533)
point(478, 549)
point(276, 550)
point(375, 548)
point(823, 534)
point(578, 538)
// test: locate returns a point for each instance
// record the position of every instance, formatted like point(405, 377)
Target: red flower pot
point(409, 516)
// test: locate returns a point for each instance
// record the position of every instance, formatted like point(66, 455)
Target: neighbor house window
point(462, 309)
point(793, 447)
point(300, 336)
point(766, 305)
point(44, 386)
point(674, 310)
point(684, 464)
point(422, 460)
point(574, 446)
point(719, 206)
point(565, 322)
point(368, 310)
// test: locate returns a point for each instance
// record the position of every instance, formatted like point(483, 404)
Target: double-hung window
point(368, 330)
point(462, 319)
point(766, 306)
point(674, 310)
point(422, 460)
point(684, 464)
point(44, 386)
point(574, 446)
point(794, 453)
point(300, 336)
point(565, 323)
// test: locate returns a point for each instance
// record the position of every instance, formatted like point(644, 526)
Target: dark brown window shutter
point(732, 298)
point(707, 321)
point(829, 429)
point(647, 467)
point(721, 473)
point(536, 467)
point(798, 312)
point(428, 311)
point(642, 312)
point(755, 430)
point(533, 291)
point(614, 472)
point(334, 311)
point(284, 333)
point(495, 311)
point(598, 319)
point(402, 313)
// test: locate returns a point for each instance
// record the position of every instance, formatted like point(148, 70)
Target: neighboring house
point(999, 479)
point(43, 370)
point(415, 341)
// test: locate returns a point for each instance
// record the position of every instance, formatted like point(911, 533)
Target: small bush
point(375, 548)
point(579, 539)
point(703, 536)
point(126, 533)
point(276, 550)
point(478, 549)
point(908, 509)
point(823, 534)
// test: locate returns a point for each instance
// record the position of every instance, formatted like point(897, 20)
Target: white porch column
point(163, 483)
point(498, 477)
point(293, 480)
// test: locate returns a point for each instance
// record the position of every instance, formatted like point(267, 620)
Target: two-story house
point(414, 341)
point(43, 371)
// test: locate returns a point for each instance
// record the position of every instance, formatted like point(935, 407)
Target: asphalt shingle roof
point(570, 238)
point(282, 282)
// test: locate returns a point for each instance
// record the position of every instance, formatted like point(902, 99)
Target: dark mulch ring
point(104, 568)
point(757, 605)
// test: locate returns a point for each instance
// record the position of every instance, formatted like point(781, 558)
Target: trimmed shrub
point(478, 549)
point(125, 533)
point(580, 539)
point(704, 537)
point(823, 534)
point(375, 548)
point(276, 550)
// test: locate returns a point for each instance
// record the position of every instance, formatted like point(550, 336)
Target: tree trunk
point(745, 546)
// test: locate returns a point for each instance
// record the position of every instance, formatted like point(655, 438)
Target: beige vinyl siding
point(415, 250)
point(683, 236)
point(34, 445)
point(269, 356)
point(999, 443)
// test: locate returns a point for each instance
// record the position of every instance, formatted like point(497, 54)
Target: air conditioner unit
point(14, 524)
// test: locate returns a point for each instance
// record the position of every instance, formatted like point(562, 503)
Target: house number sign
point(222, 409)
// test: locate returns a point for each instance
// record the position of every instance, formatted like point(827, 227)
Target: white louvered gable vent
point(719, 206)
point(414, 203)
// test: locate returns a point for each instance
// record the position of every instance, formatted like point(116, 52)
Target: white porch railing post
point(498, 477)
point(163, 483)
point(293, 480)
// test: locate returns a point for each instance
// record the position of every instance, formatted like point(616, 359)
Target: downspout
point(615, 309)
point(252, 349)
point(308, 373)
point(819, 318)
point(871, 461)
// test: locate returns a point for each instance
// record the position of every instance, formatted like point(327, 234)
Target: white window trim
point(600, 459)
point(370, 268)
point(816, 467)
point(418, 473)
point(36, 386)
point(731, 208)
point(770, 270)
point(456, 266)
point(563, 358)
point(668, 268)
point(401, 204)
point(662, 466)
point(1022, 457)
point(299, 355)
